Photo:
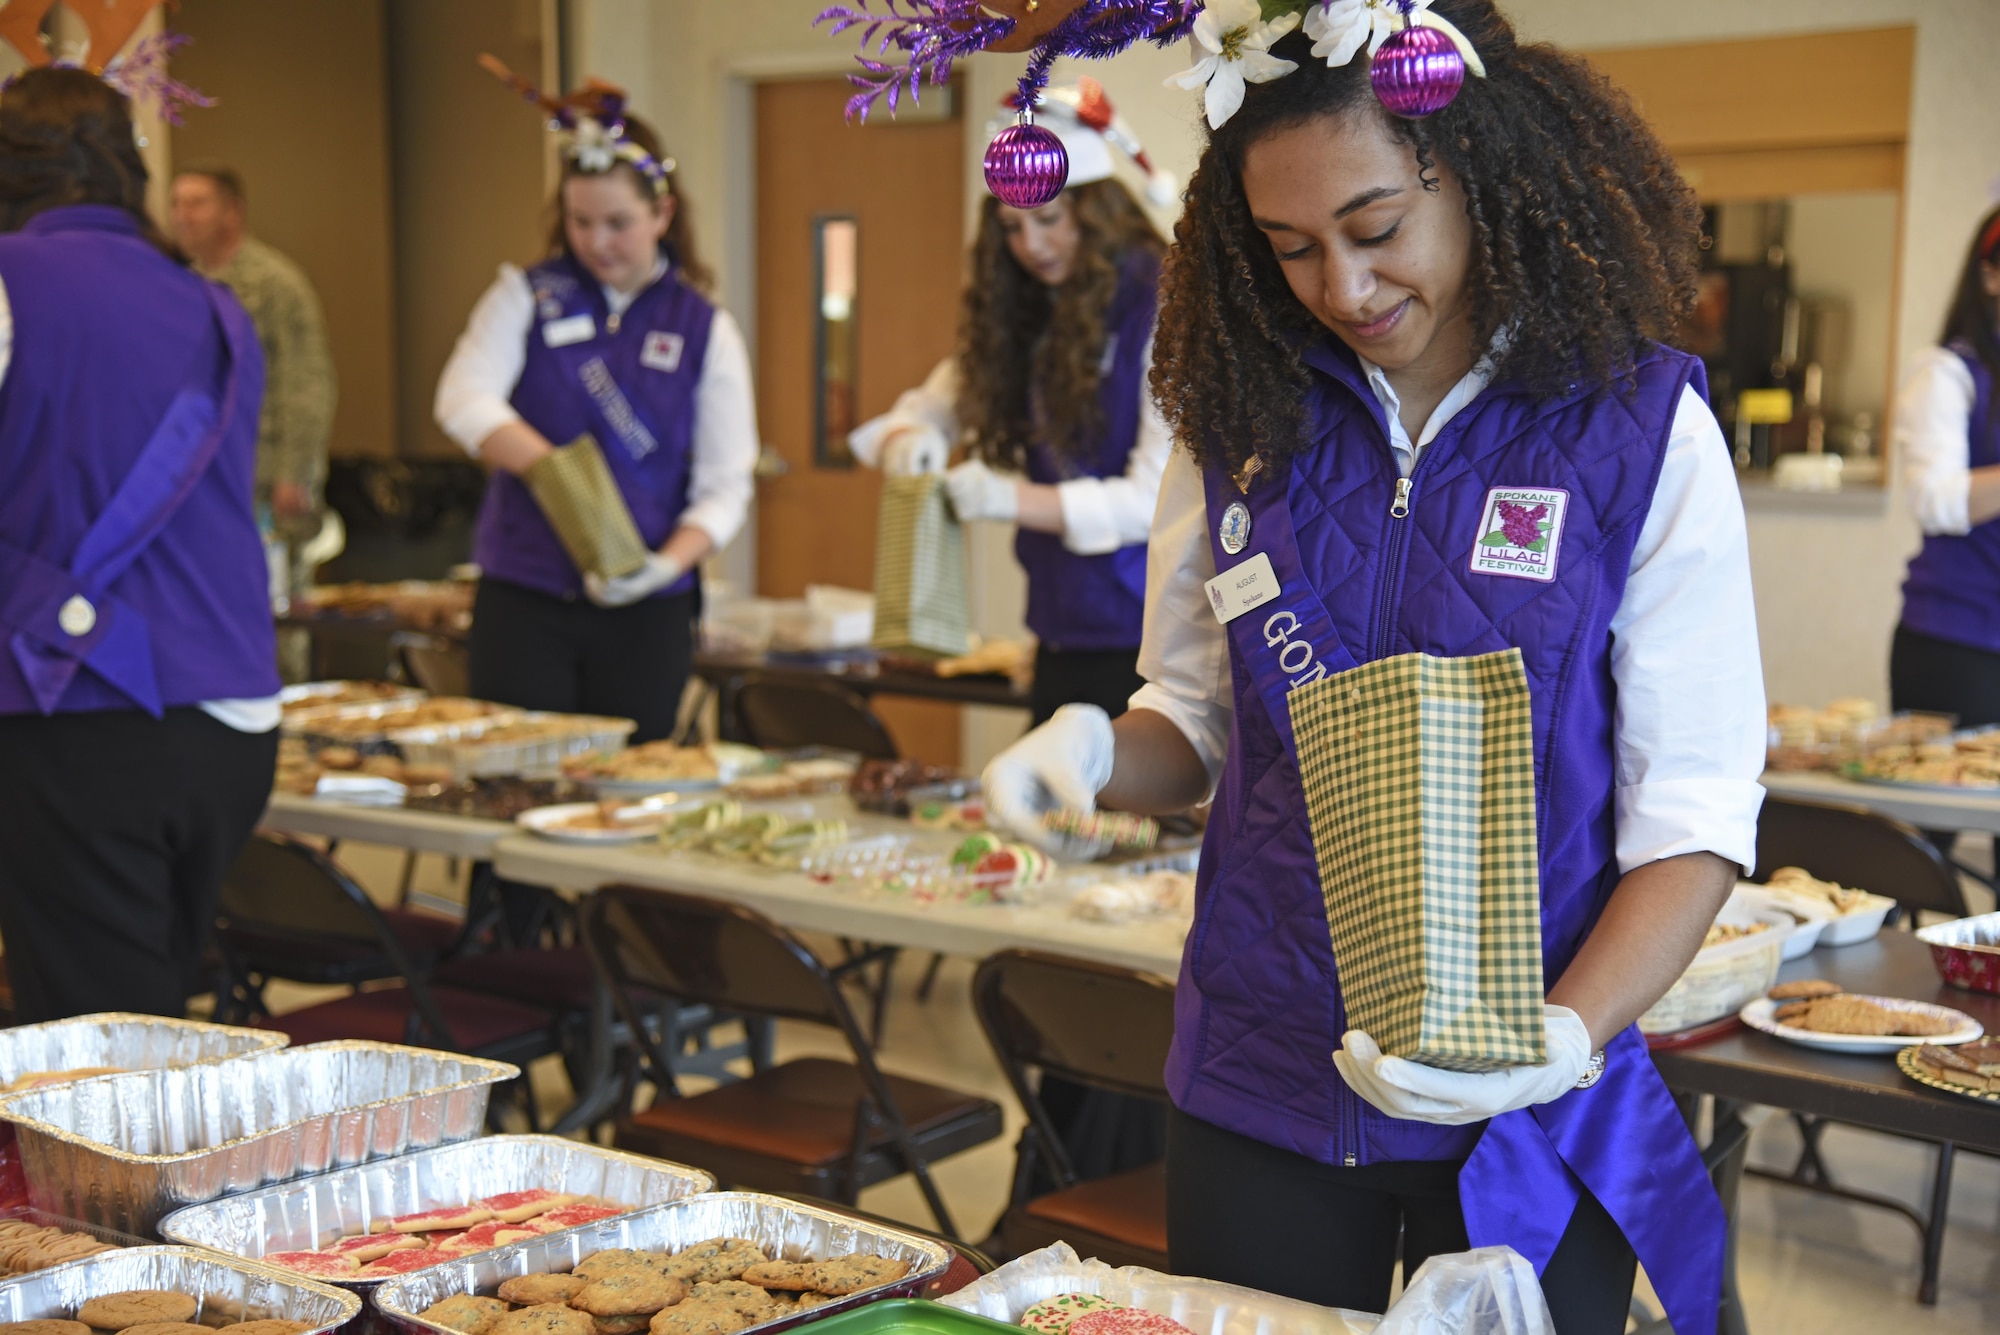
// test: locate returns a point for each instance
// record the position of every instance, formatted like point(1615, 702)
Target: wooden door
point(903, 184)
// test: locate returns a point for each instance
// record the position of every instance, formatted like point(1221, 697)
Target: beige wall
point(301, 112)
point(468, 165)
point(1827, 577)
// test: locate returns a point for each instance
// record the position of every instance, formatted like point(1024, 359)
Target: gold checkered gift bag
point(574, 487)
point(1419, 777)
point(919, 571)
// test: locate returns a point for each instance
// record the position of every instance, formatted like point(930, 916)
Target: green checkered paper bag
point(580, 499)
point(919, 571)
point(1419, 777)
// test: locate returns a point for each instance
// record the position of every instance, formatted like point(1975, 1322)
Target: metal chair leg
point(930, 976)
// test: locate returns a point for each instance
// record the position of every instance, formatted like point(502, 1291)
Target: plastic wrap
point(1202, 1305)
point(124, 1150)
point(310, 1213)
point(1487, 1291)
point(228, 1290)
point(787, 1230)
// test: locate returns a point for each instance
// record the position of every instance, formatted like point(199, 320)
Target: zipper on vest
point(1392, 561)
point(1400, 507)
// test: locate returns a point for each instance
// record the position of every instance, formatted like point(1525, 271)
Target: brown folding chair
point(1865, 850)
point(782, 716)
point(815, 1124)
point(1102, 1026)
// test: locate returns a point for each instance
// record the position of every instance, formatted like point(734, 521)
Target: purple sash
point(1623, 1137)
point(616, 416)
point(117, 645)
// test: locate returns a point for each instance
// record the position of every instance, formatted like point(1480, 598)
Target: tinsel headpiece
point(1417, 60)
point(141, 76)
point(592, 123)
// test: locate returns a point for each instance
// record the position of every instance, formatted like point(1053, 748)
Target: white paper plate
point(643, 819)
point(1758, 1016)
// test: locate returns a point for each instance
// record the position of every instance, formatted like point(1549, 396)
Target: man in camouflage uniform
point(210, 223)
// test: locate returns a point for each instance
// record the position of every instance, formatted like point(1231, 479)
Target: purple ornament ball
point(1026, 166)
point(1416, 72)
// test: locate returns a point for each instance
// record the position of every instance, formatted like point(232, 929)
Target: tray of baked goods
point(365, 727)
point(123, 1151)
point(111, 1042)
point(716, 1264)
point(1971, 1069)
point(32, 1240)
point(306, 696)
point(393, 1217)
point(1817, 1013)
point(142, 1286)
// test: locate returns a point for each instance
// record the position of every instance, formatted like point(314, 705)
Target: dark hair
point(1029, 357)
point(1583, 235)
point(228, 181)
point(1972, 317)
point(678, 244)
point(66, 138)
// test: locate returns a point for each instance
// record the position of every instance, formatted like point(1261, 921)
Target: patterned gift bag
point(919, 571)
point(574, 487)
point(1419, 777)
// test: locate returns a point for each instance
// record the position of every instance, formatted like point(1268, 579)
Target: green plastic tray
point(913, 1315)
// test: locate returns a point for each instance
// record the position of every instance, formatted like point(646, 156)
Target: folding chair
point(1101, 1026)
point(818, 1125)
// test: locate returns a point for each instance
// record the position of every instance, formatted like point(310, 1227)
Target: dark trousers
point(572, 656)
point(1248, 1213)
point(1102, 677)
point(116, 830)
point(1941, 677)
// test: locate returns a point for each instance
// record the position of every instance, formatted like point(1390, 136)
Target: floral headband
point(1417, 60)
point(592, 122)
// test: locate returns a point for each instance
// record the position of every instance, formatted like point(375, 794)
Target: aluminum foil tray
point(229, 1290)
point(124, 1150)
point(128, 1042)
point(312, 1212)
point(786, 1229)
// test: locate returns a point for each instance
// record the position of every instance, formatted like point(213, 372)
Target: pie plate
point(1907, 1063)
point(1758, 1015)
point(636, 823)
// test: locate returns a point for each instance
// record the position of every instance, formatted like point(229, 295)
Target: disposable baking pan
point(228, 1290)
point(1966, 951)
point(786, 1229)
point(123, 1151)
point(313, 1211)
point(127, 1042)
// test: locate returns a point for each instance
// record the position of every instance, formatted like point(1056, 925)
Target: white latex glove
point(977, 492)
point(1421, 1093)
point(659, 571)
point(915, 451)
point(1061, 765)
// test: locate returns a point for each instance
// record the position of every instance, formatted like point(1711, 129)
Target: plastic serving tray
point(313, 1211)
point(122, 1151)
point(228, 1290)
point(916, 1316)
point(785, 1229)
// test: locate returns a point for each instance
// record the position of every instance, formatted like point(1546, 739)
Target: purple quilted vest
point(1952, 591)
point(1097, 602)
point(128, 434)
point(629, 381)
point(1258, 1009)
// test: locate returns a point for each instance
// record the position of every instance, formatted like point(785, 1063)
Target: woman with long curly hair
point(1048, 392)
point(1413, 369)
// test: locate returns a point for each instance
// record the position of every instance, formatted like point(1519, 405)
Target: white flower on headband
point(1339, 27)
point(1238, 43)
point(591, 145)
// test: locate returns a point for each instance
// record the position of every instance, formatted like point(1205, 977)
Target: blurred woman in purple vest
point(1946, 654)
point(1412, 367)
point(1048, 387)
point(139, 682)
point(612, 336)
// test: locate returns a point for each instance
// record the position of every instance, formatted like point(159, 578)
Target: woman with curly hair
point(1413, 369)
point(1048, 389)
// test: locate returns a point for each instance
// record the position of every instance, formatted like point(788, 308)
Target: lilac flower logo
point(1520, 532)
point(1521, 526)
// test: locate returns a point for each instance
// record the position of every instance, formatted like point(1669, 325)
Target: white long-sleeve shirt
point(1099, 514)
point(1689, 725)
point(479, 379)
point(1933, 419)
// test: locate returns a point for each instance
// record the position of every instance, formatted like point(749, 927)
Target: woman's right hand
point(514, 448)
point(914, 451)
point(1062, 765)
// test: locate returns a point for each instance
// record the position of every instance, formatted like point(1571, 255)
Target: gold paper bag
point(581, 500)
point(1419, 776)
point(919, 571)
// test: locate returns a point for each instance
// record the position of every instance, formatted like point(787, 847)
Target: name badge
point(570, 329)
point(1242, 587)
point(662, 351)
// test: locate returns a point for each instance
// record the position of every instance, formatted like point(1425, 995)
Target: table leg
point(1728, 1148)
point(1934, 1232)
point(598, 1091)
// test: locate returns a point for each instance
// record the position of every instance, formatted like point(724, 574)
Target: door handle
point(771, 464)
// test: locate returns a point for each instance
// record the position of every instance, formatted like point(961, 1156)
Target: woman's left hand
point(977, 492)
point(659, 571)
point(1420, 1093)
